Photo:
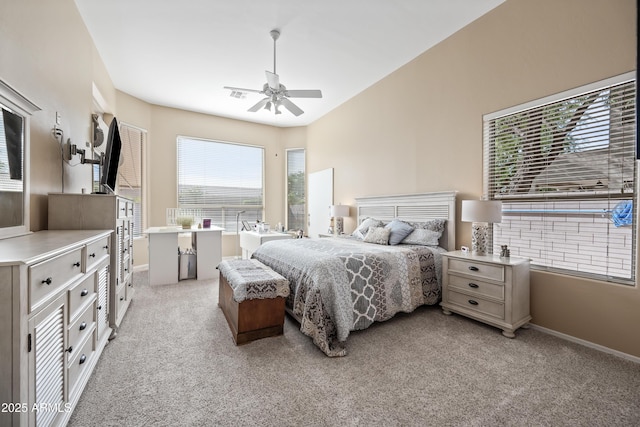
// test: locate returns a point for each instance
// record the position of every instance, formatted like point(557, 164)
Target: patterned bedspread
point(343, 284)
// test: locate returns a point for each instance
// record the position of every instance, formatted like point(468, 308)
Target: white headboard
point(414, 207)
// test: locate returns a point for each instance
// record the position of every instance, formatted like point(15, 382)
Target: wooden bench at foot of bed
point(260, 312)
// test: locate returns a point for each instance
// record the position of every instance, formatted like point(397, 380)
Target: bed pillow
point(398, 231)
point(364, 226)
point(426, 233)
point(378, 235)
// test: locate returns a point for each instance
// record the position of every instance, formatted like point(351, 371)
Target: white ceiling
point(181, 53)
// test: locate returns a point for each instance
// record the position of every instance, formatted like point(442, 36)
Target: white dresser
point(487, 288)
point(53, 322)
point(69, 211)
point(251, 240)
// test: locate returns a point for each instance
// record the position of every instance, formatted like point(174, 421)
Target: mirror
point(11, 168)
point(14, 149)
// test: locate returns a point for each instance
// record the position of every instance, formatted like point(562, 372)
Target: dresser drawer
point(477, 269)
point(479, 305)
point(79, 363)
point(123, 208)
point(48, 276)
point(81, 328)
point(477, 287)
point(81, 294)
point(96, 251)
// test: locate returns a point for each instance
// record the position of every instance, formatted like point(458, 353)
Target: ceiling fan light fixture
point(276, 93)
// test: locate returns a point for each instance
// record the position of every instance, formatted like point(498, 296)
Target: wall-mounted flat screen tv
point(111, 159)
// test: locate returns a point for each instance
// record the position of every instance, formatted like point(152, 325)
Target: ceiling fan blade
point(259, 105)
point(273, 80)
point(303, 93)
point(291, 107)
point(241, 89)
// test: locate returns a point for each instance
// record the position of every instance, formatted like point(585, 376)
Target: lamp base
point(480, 238)
point(339, 229)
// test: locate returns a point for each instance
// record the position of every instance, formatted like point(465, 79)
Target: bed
point(343, 284)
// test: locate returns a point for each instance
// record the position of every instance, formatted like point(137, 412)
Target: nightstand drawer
point(477, 287)
point(477, 269)
point(491, 308)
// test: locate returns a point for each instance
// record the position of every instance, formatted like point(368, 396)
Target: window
point(564, 168)
point(224, 181)
point(130, 176)
point(295, 189)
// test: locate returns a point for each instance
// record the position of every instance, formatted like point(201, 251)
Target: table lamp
point(338, 212)
point(481, 213)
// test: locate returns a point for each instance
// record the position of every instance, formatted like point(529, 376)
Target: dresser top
point(34, 247)
point(492, 258)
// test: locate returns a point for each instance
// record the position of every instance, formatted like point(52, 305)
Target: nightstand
point(487, 288)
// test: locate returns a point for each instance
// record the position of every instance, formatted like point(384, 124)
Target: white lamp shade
point(339, 211)
point(481, 211)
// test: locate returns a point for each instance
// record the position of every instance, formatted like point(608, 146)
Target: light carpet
point(174, 363)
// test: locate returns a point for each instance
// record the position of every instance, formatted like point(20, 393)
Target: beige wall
point(46, 54)
point(420, 129)
point(168, 123)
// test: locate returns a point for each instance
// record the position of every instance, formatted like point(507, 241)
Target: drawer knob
point(99, 307)
point(121, 298)
point(48, 280)
point(92, 255)
point(70, 349)
point(83, 359)
point(473, 302)
point(473, 285)
point(105, 247)
point(84, 293)
point(76, 264)
point(83, 326)
point(473, 268)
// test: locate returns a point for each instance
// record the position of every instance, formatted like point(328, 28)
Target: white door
point(320, 198)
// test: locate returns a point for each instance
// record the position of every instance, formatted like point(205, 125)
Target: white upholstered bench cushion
point(250, 279)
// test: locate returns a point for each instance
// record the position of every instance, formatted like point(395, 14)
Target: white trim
point(142, 267)
point(622, 78)
point(585, 343)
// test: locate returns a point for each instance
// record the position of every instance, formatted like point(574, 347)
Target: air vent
point(238, 94)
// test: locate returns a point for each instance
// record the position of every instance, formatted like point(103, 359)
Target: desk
point(163, 253)
point(251, 240)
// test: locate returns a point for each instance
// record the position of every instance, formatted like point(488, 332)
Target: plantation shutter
point(221, 180)
point(130, 171)
point(565, 170)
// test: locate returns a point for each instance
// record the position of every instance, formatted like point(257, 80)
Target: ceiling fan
point(276, 94)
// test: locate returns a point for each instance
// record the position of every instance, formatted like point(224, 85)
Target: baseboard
point(585, 343)
point(142, 267)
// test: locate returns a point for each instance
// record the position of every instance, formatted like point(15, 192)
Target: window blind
point(564, 168)
point(296, 189)
point(221, 180)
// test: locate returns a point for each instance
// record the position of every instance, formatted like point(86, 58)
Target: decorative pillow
point(399, 230)
point(426, 233)
point(362, 229)
point(424, 237)
point(378, 235)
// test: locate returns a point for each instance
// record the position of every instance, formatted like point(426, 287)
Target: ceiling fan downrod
point(274, 35)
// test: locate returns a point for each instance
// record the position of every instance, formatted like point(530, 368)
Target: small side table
point(487, 288)
point(251, 240)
